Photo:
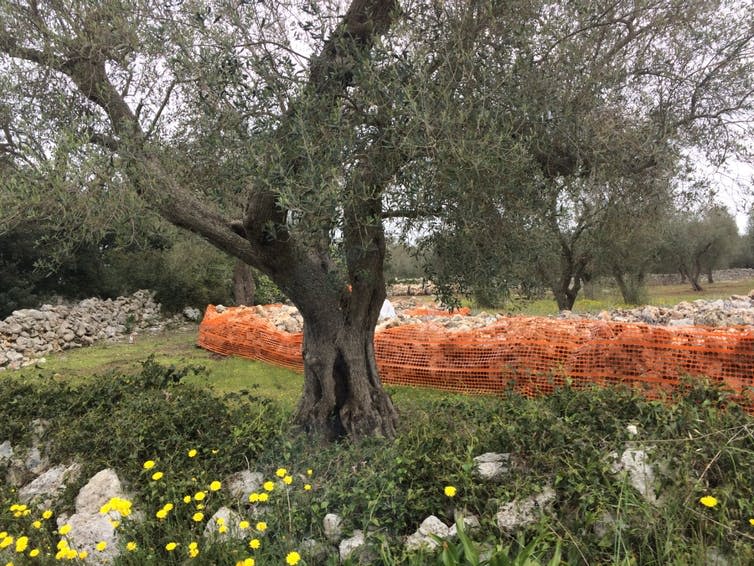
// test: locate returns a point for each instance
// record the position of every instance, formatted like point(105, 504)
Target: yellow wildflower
point(281, 472)
point(243, 525)
point(22, 543)
point(292, 558)
point(268, 486)
point(450, 491)
point(114, 524)
point(253, 497)
point(157, 476)
point(37, 524)
point(751, 521)
point(261, 526)
point(187, 499)
point(309, 472)
point(34, 552)
point(246, 562)
point(65, 529)
point(161, 514)
point(255, 543)
point(82, 555)
point(200, 506)
point(708, 501)
point(149, 464)
point(222, 529)
point(197, 517)
point(46, 514)
point(200, 495)
point(192, 453)
point(6, 542)
point(131, 546)
point(263, 497)
point(193, 549)
point(215, 486)
point(101, 545)
point(288, 480)
point(170, 547)
point(307, 487)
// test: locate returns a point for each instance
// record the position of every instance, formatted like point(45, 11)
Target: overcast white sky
point(735, 189)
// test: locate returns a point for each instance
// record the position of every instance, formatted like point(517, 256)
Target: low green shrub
point(703, 446)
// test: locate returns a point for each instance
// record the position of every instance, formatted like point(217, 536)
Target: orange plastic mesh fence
point(437, 312)
point(532, 355)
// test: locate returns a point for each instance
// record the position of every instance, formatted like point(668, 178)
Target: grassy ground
point(659, 295)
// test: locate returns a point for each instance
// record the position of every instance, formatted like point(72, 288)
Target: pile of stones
point(29, 334)
point(736, 310)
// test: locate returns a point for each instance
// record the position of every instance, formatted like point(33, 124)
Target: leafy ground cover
point(703, 446)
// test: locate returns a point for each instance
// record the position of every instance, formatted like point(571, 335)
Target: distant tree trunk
point(631, 286)
point(693, 277)
point(566, 288)
point(243, 284)
point(710, 280)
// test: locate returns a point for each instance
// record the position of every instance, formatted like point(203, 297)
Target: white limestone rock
point(332, 527)
point(47, 487)
point(523, 512)
point(241, 484)
point(350, 545)
point(491, 465)
point(635, 463)
point(223, 525)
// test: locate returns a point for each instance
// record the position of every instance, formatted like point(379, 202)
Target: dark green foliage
point(180, 269)
point(121, 421)
point(27, 276)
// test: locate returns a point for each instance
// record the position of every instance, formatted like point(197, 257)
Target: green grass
point(224, 374)
point(659, 295)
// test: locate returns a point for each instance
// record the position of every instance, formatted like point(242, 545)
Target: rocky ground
point(736, 310)
point(27, 335)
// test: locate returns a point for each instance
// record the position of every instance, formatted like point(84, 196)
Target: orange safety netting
point(420, 311)
point(530, 354)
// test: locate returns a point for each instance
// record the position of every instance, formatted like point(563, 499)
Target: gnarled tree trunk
point(343, 394)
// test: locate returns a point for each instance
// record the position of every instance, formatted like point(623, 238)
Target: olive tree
point(283, 133)
point(605, 102)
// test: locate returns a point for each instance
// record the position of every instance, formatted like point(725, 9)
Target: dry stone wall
point(737, 274)
point(29, 334)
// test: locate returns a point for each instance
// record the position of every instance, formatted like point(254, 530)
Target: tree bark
point(631, 287)
point(693, 278)
point(343, 394)
point(243, 284)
